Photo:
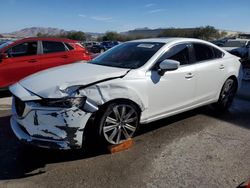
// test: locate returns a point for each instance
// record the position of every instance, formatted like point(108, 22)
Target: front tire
point(227, 95)
point(118, 123)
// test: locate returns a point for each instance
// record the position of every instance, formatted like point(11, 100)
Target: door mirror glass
point(168, 65)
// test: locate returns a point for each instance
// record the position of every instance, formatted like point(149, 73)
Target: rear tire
point(227, 95)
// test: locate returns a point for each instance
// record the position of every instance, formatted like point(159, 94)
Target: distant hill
point(33, 31)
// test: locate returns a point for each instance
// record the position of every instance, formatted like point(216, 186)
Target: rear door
point(53, 54)
point(21, 62)
point(211, 72)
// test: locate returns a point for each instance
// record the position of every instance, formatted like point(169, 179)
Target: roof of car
point(168, 40)
point(174, 40)
point(38, 39)
point(47, 39)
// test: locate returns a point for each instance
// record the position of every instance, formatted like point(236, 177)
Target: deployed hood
point(50, 83)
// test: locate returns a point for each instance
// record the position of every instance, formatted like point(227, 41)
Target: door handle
point(32, 61)
point(189, 75)
point(221, 66)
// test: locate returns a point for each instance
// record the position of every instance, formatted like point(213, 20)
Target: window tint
point(203, 52)
point(218, 53)
point(24, 49)
point(179, 53)
point(131, 55)
point(51, 46)
point(69, 46)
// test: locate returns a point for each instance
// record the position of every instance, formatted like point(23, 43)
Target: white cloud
point(101, 18)
point(150, 5)
point(82, 15)
point(156, 11)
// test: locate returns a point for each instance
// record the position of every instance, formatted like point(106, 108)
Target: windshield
point(4, 44)
point(130, 55)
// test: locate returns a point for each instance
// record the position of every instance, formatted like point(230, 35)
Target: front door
point(21, 62)
point(174, 91)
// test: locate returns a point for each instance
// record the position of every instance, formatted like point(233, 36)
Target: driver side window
point(179, 53)
point(23, 49)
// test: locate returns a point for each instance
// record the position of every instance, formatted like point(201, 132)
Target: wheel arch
point(120, 100)
point(232, 76)
point(91, 128)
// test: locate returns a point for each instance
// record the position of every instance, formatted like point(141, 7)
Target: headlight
point(65, 102)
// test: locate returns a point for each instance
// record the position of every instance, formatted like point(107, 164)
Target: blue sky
point(123, 15)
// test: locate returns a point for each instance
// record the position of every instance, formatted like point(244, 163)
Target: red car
point(27, 56)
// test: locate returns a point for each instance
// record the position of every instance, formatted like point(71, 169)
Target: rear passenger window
point(69, 46)
point(179, 53)
point(51, 47)
point(203, 52)
point(218, 53)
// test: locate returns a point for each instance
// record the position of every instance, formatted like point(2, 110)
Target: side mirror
point(3, 56)
point(168, 65)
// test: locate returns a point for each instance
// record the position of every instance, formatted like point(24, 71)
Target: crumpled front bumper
point(49, 127)
point(45, 143)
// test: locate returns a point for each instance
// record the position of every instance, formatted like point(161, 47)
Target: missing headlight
point(64, 102)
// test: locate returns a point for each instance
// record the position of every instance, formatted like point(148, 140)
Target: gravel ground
point(199, 148)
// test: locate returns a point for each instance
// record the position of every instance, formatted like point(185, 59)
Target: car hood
point(51, 82)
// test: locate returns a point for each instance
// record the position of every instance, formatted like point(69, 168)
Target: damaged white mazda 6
point(131, 84)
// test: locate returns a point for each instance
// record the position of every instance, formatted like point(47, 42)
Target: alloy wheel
point(120, 123)
point(228, 93)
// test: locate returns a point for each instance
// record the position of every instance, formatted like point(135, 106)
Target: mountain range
point(33, 31)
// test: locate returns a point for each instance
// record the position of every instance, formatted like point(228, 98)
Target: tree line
point(74, 35)
point(205, 33)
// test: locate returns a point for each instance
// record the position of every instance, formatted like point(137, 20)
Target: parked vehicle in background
point(97, 48)
point(103, 46)
point(134, 83)
point(238, 47)
point(24, 57)
point(109, 44)
point(89, 44)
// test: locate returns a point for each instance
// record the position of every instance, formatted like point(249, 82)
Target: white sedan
point(134, 83)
